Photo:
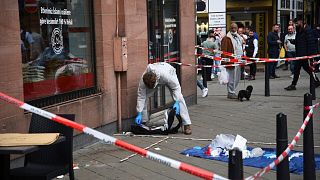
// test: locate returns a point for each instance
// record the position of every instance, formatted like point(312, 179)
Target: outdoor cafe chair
point(52, 161)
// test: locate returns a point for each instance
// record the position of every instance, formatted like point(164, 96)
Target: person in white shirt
point(290, 48)
point(251, 50)
point(161, 74)
point(244, 38)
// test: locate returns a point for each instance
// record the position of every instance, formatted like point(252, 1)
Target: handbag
point(223, 76)
point(282, 53)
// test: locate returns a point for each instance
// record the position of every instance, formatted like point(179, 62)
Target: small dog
point(245, 93)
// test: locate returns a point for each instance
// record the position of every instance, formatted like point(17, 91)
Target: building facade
point(86, 57)
point(262, 14)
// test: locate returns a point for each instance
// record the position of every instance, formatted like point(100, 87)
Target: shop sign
point(170, 23)
point(217, 13)
point(59, 20)
point(57, 40)
point(217, 6)
point(217, 19)
point(56, 16)
point(31, 6)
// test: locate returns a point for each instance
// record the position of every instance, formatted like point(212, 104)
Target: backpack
point(164, 129)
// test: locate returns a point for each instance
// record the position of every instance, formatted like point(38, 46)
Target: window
point(163, 32)
point(300, 5)
point(283, 4)
point(56, 46)
point(288, 4)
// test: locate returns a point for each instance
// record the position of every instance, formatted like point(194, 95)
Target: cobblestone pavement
point(254, 120)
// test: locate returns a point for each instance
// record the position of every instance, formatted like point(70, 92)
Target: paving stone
point(255, 120)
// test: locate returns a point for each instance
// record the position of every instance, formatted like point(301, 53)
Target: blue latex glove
point(138, 118)
point(176, 107)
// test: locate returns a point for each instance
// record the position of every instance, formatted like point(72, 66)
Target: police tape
point(285, 153)
point(173, 61)
point(258, 59)
point(111, 140)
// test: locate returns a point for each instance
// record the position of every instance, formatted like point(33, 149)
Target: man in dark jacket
point(305, 45)
point(274, 45)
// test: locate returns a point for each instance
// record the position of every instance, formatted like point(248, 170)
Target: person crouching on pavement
point(161, 74)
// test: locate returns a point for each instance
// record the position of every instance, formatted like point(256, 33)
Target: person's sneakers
point(232, 96)
point(205, 92)
point(290, 88)
point(187, 130)
point(252, 77)
point(271, 77)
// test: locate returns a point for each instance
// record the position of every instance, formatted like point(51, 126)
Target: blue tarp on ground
point(295, 164)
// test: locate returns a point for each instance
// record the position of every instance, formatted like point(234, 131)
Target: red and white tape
point(285, 153)
point(111, 140)
point(259, 59)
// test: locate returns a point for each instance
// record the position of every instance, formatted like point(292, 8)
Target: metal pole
point(308, 146)
point(282, 143)
point(266, 80)
point(235, 170)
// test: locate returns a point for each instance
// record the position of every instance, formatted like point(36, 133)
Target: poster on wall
point(55, 47)
point(217, 15)
point(217, 19)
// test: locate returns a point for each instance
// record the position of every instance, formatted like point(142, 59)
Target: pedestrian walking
point(290, 48)
point(305, 45)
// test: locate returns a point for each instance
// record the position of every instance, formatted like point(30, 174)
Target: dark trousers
point(291, 54)
point(272, 65)
point(242, 72)
point(206, 71)
point(253, 69)
point(297, 68)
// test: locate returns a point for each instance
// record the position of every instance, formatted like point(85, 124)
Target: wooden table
point(5, 153)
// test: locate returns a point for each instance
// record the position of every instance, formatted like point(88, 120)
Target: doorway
point(258, 20)
point(163, 39)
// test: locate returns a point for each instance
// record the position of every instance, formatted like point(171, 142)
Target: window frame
point(79, 93)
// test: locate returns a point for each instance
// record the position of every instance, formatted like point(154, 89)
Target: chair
point(52, 161)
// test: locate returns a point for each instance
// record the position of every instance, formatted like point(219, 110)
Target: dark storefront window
point(163, 31)
point(56, 46)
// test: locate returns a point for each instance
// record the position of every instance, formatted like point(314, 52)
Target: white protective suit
point(166, 75)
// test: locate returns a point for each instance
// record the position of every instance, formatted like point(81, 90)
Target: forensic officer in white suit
point(161, 74)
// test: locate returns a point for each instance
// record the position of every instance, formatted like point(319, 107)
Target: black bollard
point(266, 80)
point(235, 170)
point(308, 146)
point(312, 86)
point(282, 143)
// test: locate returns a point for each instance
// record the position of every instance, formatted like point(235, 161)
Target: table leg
point(5, 166)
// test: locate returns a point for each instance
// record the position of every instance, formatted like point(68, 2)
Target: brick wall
point(11, 118)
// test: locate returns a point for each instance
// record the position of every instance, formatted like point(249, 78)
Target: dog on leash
point(245, 93)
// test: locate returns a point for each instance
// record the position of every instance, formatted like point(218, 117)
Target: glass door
point(163, 31)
